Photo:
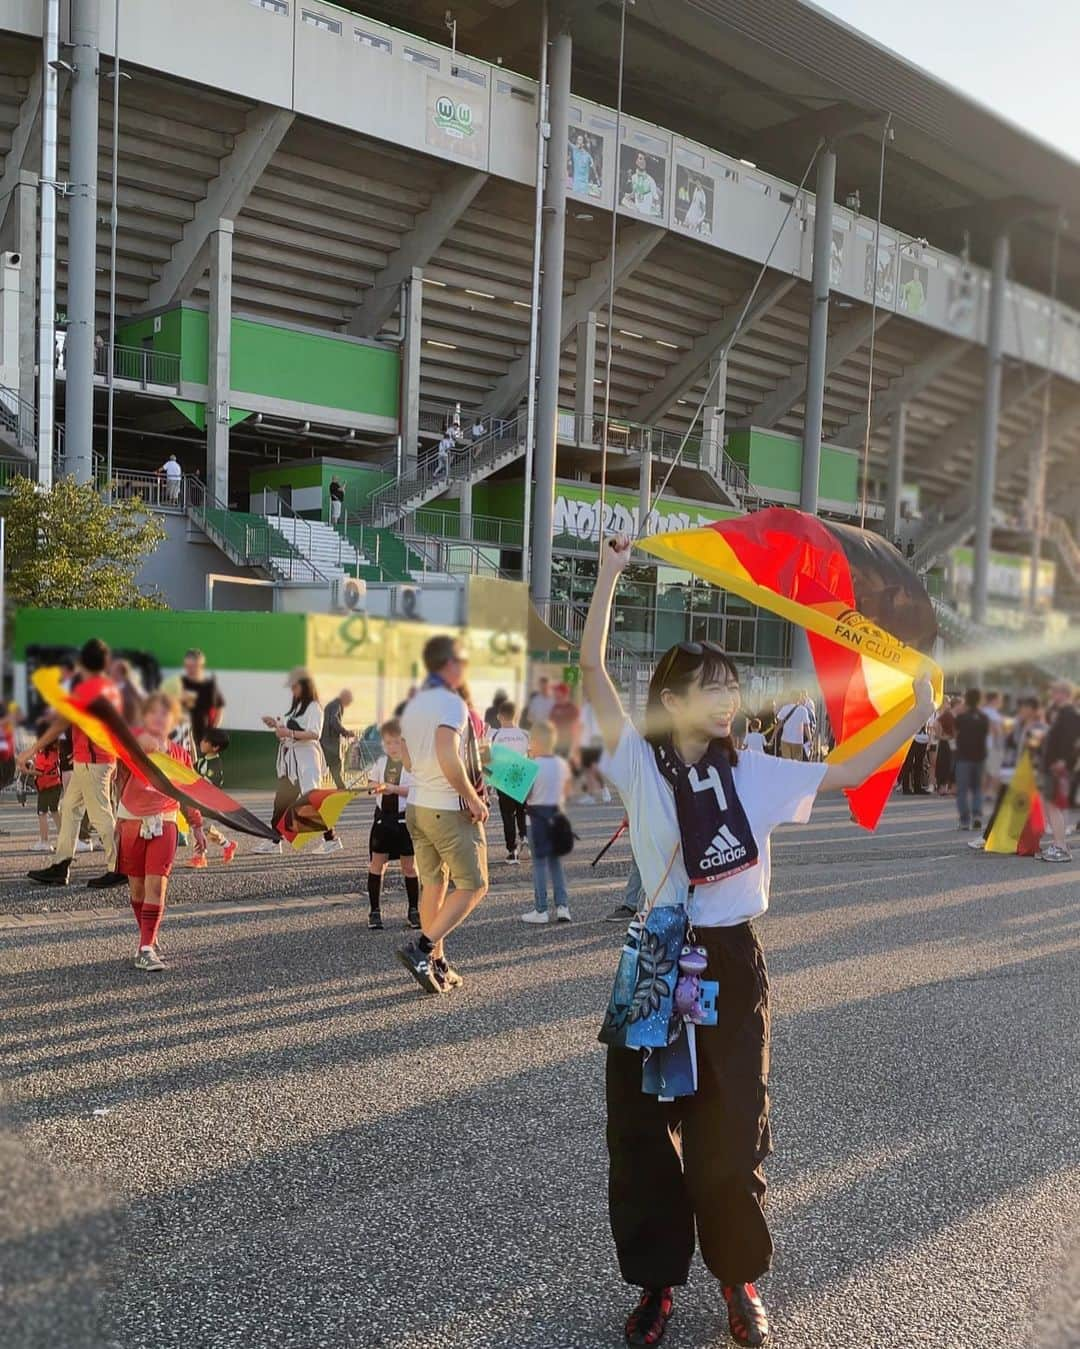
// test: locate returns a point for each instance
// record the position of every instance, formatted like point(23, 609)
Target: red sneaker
point(228, 852)
point(198, 862)
point(648, 1321)
point(746, 1315)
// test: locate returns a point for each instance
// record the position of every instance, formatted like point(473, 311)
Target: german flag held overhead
point(868, 619)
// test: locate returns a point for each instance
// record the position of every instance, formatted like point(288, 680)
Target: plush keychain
point(695, 998)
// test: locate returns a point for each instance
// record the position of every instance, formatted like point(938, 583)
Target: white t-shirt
point(590, 727)
point(552, 780)
point(772, 792)
point(797, 719)
point(302, 761)
point(755, 741)
point(378, 774)
point(539, 707)
point(425, 713)
point(510, 737)
point(172, 470)
point(996, 734)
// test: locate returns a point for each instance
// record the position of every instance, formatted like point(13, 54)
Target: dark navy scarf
point(717, 840)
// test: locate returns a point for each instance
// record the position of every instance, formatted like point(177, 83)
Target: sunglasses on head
point(690, 649)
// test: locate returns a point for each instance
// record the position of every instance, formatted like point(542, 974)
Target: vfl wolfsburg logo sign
point(453, 118)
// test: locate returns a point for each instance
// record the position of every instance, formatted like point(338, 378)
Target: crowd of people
point(703, 785)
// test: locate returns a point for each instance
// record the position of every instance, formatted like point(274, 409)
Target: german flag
point(1018, 816)
point(868, 618)
point(313, 815)
point(94, 714)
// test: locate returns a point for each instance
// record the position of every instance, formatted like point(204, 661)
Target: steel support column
point(82, 242)
point(26, 199)
point(412, 297)
point(644, 490)
point(713, 415)
point(219, 373)
point(551, 297)
point(585, 379)
point(895, 482)
point(988, 430)
point(818, 349)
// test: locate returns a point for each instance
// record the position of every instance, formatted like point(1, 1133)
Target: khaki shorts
point(791, 751)
point(448, 844)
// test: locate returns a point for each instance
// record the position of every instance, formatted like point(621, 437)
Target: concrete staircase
point(330, 553)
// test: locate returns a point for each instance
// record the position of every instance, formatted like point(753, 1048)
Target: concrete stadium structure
point(325, 229)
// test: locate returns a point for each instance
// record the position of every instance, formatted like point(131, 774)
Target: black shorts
point(392, 839)
point(48, 800)
point(590, 756)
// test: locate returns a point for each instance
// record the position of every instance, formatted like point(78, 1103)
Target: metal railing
point(18, 418)
point(139, 365)
point(249, 540)
point(438, 470)
point(505, 441)
point(453, 557)
point(489, 530)
point(158, 491)
point(301, 529)
point(1057, 530)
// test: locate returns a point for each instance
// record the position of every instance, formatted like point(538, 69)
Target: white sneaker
point(1055, 854)
point(42, 847)
point(535, 916)
point(265, 845)
point(327, 846)
point(84, 845)
point(562, 914)
point(606, 797)
point(586, 799)
point(511, 859)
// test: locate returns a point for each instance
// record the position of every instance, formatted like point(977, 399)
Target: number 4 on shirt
point(711, 783)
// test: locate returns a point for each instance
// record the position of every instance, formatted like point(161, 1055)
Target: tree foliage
point(70, 549)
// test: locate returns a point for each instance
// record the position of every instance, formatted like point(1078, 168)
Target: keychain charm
point(692, 965)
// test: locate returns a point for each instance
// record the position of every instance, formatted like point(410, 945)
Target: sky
point(1018, 59)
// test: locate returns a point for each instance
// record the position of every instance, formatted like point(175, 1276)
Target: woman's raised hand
point(616, 553)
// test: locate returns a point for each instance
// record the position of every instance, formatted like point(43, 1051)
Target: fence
point(139, 365)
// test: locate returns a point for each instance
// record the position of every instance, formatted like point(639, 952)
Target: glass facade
point(657, 605)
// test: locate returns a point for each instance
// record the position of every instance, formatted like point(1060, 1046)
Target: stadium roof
point(764, 78)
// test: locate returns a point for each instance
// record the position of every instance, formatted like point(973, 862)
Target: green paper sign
point(510, 773)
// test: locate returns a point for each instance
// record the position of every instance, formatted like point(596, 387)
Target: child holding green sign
point(546, 799)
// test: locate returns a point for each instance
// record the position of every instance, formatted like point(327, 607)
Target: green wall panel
point(774, 461)
point(232, 640)
point(277, 362)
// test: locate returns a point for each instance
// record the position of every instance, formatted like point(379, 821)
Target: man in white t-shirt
point(446, 812)
point(172, 473)
point(510, 736)
point(540, 703)
point(995, 744)
point(793, 720)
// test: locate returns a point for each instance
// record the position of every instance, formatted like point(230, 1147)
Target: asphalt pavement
point(280, 1144)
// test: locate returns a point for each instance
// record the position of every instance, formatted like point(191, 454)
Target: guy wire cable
point(611, 281)
point(873, 320)
point(734, 336)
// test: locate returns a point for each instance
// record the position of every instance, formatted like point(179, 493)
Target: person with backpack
point(544, 805)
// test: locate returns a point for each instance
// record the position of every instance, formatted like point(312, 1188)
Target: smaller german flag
point(102, 723)
point(313, 815)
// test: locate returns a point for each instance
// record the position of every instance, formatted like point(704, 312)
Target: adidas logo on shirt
point(723, 850)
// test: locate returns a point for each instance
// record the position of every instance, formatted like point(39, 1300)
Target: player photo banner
point(842, 585)
point(101, 722)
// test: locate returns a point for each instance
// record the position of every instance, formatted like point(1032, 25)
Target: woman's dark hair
point(303, 700)
point(678, 668)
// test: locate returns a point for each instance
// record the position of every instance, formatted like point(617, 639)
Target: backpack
point(561, 834)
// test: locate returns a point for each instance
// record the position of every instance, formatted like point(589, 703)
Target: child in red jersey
point(146, 826)
point(46, 767)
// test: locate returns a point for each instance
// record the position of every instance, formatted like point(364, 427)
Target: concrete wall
point(180, 567)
